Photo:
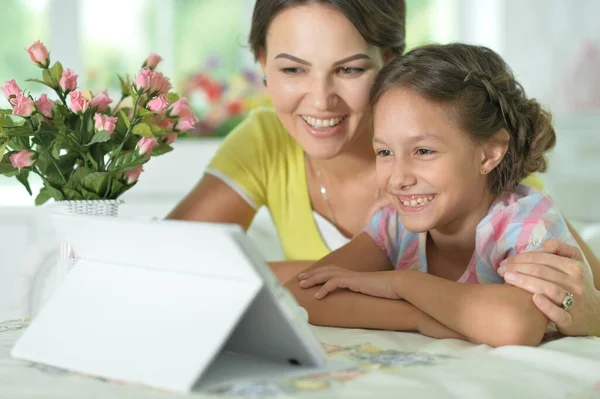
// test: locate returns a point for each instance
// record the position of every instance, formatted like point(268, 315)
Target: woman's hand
point(550, 273)
point(378, 284)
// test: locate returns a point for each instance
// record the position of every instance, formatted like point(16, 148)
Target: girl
point(454, 135)
point(320, 59)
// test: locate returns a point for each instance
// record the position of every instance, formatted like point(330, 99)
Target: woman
point(310, 160)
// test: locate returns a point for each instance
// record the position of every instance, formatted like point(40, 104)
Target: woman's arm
point(494, 314)
point(214, 201)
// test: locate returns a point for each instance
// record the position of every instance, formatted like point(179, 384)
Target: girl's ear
point(494, 150)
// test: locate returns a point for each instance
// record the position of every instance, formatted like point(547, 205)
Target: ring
point(568, 301)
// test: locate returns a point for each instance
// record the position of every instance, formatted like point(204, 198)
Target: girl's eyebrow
point(357, 56)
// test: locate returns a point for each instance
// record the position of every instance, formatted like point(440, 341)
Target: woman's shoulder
point(264, 123)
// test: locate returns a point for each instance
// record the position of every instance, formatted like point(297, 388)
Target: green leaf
point(100, 137)
point(172, 97)
point(96, 182)
point(23, 178)
point(48, 78)
point(6, 111)
point(39, 81)
point(56, 72)
point(161, 149)
point(48, 192)
point(42, 197)
point(143, 129)
point(156, 130)
point(125, 118)
point(5, 168)
point(71, 194)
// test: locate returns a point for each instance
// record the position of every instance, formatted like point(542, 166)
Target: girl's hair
point(380, 22)
point(483, 97)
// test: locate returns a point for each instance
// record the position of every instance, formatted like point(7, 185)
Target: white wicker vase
point(66, 258)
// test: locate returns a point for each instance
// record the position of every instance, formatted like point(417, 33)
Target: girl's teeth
point(417, 202)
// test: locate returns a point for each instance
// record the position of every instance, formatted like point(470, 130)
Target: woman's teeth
point(322, 123)
point(417, 202)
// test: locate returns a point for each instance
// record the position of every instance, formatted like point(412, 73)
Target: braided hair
point(482, 96)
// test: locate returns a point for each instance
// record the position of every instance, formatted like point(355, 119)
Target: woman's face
point(319, 72)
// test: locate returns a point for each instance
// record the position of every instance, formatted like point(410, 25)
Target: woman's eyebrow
point(291, 57)
point(358, 56)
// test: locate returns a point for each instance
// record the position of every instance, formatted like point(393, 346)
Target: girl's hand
point(550, 273)
point(379, 284)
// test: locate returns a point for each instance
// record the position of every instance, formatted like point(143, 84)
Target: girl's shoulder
point(522, 204)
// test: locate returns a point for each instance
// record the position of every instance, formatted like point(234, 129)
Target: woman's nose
point(323, 94)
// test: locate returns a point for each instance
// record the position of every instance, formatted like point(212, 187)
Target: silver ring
point(568, 301)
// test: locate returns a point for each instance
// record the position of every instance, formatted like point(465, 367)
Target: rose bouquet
point(80, 146)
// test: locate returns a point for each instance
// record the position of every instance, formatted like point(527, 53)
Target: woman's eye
point(350, 71)
point(292, 71)
point(384, 153)
point(424, 151)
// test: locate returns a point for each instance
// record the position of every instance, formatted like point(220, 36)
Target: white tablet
point(158, 302)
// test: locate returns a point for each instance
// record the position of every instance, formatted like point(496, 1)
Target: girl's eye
point(292, 71)
point(349, 71)
point(384, 153)
point(424, 151)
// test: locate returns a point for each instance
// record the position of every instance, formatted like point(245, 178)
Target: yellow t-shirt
point(266, 166)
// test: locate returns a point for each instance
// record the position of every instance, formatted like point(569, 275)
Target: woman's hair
point(380, 22)
point(483, 97)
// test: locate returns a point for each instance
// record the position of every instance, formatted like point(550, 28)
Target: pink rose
point(166, 124)
point(44, 106)
point(170, 138)
point(104, 122)
point(39, 54)
point(24, 106)
point(79, 104)
point(22, 159)
point(68, 81)
point(180, 107)
point(142, 81)
point(133, 175)
point(158, 104)
point(101, 101)
point(187, 123)
point(152, 61)
point(11, 89)
point(159, 84)
point(146, 145)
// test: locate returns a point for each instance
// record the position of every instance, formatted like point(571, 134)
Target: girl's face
point(319, 72)
point(430, 168)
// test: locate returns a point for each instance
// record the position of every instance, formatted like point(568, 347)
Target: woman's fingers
point(554, 313)
point(541, 260)
point(542, 272)
point(560, 248)
point(551, 290)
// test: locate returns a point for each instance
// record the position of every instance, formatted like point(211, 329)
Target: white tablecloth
point(381, 364)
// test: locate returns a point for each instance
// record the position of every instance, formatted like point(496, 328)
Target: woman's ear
point(494, 150)
point(262, 60)
point(388, 54)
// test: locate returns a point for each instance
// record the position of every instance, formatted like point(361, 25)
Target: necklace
point(322, 189)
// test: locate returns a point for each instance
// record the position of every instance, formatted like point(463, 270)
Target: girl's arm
point(494, 314)
point(593, 261)
point(354, 310)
